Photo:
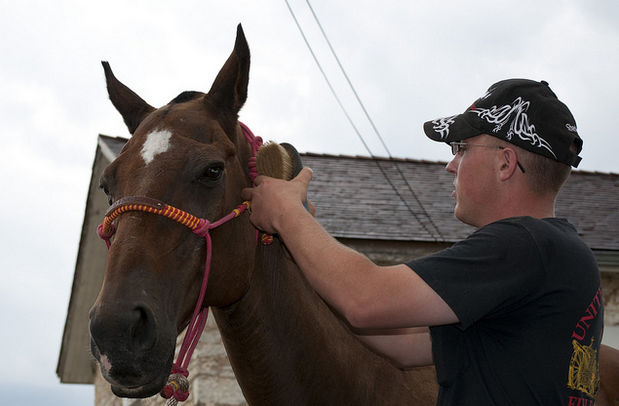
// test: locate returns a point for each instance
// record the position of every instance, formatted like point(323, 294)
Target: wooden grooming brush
point(274, 161)
point(280, 161)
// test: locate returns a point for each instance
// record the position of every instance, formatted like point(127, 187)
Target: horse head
point(191, 154)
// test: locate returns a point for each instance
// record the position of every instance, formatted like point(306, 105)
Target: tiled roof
point(355, 199)
point(410, 200)
point(381, 199)
point(590, 200)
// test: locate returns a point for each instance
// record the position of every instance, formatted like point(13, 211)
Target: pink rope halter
point(177, 388)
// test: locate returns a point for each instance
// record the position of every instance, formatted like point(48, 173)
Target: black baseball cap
point(521, 111)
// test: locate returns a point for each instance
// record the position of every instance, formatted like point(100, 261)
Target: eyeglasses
point(457, 147)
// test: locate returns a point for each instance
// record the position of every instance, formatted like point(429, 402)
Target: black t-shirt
point(527, 293)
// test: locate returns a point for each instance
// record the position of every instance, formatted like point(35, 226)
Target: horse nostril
point(129, 326)
point(144, 333)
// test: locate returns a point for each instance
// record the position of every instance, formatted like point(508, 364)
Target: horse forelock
point(184, 97)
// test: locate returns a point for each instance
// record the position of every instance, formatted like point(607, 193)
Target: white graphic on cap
point(487, 94)
point(441, 125)
point(519, 124)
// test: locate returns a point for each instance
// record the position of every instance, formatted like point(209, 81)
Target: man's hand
point(272, 200)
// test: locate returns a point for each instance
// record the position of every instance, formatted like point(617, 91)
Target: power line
point(348, 80)
point(324, 75)
point(410, 188)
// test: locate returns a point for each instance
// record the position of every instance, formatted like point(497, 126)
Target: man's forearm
point(406, 347)
point(367, 295)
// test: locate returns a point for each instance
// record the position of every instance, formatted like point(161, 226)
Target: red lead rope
point(177, 388)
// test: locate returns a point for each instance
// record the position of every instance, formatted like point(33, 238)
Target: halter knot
point(203, 228)
point(256, 143)
point(253, 171)
point(106, 236)
point(177, 388)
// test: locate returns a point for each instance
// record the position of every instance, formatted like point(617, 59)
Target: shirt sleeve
point(495, 269)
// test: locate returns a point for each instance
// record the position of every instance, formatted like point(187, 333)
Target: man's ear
point(508, 162)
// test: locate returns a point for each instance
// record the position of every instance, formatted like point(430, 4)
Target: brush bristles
point(273, 160)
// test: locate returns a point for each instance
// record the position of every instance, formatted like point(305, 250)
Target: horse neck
point(264, 331)
point(287, 348)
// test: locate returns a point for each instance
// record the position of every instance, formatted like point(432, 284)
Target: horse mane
point(186, 96)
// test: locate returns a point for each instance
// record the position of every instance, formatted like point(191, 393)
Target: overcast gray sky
point(409, 61)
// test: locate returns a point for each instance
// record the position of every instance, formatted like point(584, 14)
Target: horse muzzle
point(134, 354)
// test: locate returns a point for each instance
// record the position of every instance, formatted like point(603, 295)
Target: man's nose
point(452, 166)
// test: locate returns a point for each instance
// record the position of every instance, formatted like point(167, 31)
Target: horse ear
point(131, 106)
point(229, 90)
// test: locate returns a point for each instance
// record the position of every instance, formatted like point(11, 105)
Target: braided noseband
point(199, 226)
point(177, 388)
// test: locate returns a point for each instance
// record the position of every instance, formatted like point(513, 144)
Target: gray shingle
point(355, 199)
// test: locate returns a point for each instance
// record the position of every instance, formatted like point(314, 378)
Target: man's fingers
point(312, 208)
point(247, 193)
point(305, 176)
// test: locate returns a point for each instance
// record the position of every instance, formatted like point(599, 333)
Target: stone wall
point(610, 289)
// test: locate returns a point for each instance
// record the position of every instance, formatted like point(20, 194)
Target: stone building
point(391, 210)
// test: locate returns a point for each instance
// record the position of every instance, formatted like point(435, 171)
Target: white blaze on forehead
point(156, 143)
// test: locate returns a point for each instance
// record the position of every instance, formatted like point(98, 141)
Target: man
point(514, 311)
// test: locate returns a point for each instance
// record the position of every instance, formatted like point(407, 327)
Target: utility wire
point(324, 75)
point(349, 82)
point(410, 188)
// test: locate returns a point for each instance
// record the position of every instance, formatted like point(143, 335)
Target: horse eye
point(110, 198)
point(211, 174)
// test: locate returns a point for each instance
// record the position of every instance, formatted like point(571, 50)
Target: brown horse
point(284, 343)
